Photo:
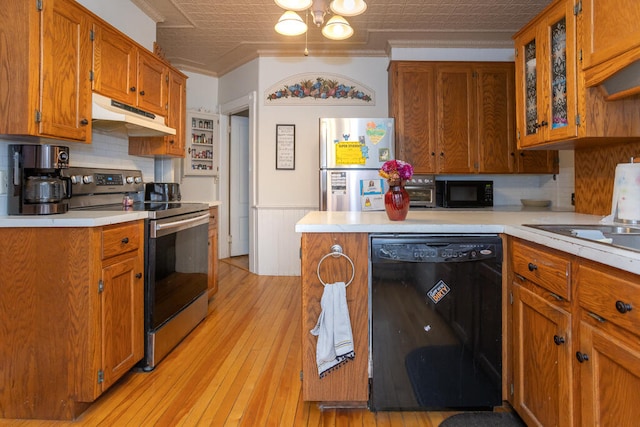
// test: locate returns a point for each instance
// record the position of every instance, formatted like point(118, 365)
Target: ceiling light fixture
point(337, 28)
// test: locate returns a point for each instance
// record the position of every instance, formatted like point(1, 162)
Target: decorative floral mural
point(311, 89)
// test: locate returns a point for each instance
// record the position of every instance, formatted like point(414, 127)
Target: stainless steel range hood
point(108, 114)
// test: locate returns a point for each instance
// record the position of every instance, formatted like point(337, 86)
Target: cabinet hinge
point(518, 134)
point(38, 116)
point(516, 52)
point(301, 375)
point(580, 55)
point(91, 75)
point(92, 35)
point(578, 121)
point(100, 376)
point(511, 298)
point(511, 389)
point(577, 8)
point(100, 286)
point(39, 5)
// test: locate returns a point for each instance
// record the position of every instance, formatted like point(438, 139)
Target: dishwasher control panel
point(432, 249)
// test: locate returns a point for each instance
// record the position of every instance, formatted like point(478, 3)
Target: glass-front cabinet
point(203, 142)
point(546, 78)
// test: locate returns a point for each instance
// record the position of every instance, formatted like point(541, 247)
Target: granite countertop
point(507, 221)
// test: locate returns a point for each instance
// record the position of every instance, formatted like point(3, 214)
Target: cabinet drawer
point(611, 294)
point(543, 267)
point(120, 239)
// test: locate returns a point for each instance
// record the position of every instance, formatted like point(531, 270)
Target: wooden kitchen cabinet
point(127, 72)
point(170, 145)
point(554, 107)
point(349, 383)
point(609, 352)
point(213, 251)
point(611, 38)
point(45, 70)
point(412, 104)
point(75, 322)
point(115, 64)
point(542, 338)
point(459, 118)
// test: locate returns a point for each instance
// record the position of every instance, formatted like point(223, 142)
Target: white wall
point(126, 17)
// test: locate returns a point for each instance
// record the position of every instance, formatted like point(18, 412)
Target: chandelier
point(336, 28)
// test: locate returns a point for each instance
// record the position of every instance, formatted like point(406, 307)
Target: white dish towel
point(333, 329)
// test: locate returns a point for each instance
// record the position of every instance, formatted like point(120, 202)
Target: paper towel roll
point(625, 204)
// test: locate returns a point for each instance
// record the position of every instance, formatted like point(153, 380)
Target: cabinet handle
point(132, 88)
point(142, 92)
point(125, 240)
point(139, 276)
point(623, 307)
point(558, 339)
point(541, 124)
point(582, 357)
point(84, 122)
point(532, 267)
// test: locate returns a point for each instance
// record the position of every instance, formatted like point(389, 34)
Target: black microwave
point(464, 194)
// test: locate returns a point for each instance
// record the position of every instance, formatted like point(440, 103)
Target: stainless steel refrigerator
point(352, 150)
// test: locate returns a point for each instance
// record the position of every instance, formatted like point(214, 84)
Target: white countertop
point(508, 221)
point(78, 218)
point(71, 219)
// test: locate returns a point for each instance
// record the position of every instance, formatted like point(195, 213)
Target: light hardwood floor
point(240, 366)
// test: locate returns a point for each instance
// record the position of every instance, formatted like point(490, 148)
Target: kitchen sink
point(622, 236)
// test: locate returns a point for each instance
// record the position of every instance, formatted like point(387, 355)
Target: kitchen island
point(570, 317)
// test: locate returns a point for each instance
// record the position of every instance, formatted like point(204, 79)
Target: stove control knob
point(87, 179)
point(137, 179)
point(75, 179)
point(129, 180)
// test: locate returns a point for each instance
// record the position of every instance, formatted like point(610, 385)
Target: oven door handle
point(182, 224)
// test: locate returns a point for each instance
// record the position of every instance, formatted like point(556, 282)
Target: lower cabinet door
point(542, 360)
point(122, 318)
point(610, 378)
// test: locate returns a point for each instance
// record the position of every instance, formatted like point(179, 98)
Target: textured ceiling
point(215, 36)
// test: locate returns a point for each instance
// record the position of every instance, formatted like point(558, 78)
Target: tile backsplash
point(108, 150)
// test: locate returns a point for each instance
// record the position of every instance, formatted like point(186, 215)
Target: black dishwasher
point(436, 321)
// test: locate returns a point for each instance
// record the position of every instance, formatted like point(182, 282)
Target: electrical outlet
point(573, 199)
point(4, 185)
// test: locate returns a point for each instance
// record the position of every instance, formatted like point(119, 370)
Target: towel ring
point(336, 251)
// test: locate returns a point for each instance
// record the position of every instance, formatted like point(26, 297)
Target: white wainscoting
point(277, 242)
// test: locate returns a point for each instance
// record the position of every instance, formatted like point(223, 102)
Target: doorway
point(238, 111)
point(239, 184)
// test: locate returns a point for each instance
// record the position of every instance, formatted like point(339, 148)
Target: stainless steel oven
point(176, 251)
point(176, 268)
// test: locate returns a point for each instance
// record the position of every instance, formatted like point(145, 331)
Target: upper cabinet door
point(65, 103)
point(114, 65)
point(153, 84)
point(546, 78)
point(412, 104)
point(455, 100)
point(611, 37)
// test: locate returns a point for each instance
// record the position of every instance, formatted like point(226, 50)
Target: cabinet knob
point(442, 154)
point(132, 88)
point(623, 307)
point(582, 357)
point(558, 339)
point(171, 141)
point(125, 240)
point(532, 267)
point(139, 276)
point(84, 122)
point(142, 92)
point(433, 154)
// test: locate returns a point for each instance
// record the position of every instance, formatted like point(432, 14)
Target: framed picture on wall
point(286, 147)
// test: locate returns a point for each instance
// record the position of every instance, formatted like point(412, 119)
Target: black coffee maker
point(36, 185)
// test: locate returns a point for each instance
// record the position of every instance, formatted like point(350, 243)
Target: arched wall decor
point(319, 89)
